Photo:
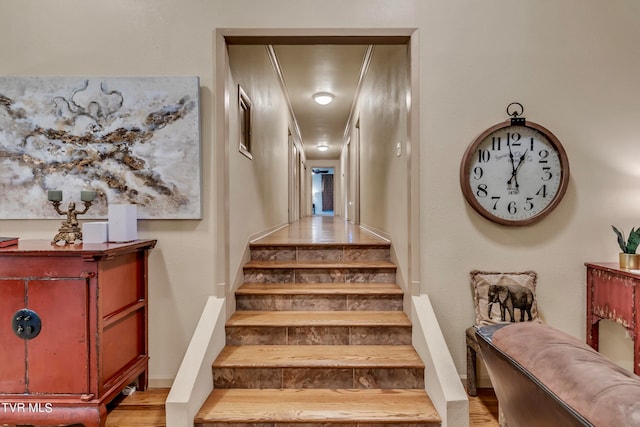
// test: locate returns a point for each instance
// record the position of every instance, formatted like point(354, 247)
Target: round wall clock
point(516, 172)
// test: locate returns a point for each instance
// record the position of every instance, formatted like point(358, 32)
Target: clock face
point(514, 174)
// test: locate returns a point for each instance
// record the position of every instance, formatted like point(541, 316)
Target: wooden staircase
point(319, 338)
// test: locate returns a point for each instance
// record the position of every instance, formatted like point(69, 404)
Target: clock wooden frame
point(467, 161)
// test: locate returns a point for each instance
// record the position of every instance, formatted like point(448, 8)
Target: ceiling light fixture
point(323, 98)
point(323, 147)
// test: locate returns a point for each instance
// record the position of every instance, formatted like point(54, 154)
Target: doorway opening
point(375, 162)
point(322, 188)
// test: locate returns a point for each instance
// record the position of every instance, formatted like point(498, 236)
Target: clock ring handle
point(515, 110)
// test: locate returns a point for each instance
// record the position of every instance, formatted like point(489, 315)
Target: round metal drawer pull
point(26, 324)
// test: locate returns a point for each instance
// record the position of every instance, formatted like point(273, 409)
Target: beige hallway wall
point(382, 114)
point(258, 187)
point(573, 64)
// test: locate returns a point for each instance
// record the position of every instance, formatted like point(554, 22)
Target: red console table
point(73, 329)
point(612, 293)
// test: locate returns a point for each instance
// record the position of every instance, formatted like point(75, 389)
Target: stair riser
point(333, 378)
point(319, 302)
point(319, 275)
point(316, 253)
point(313, 335)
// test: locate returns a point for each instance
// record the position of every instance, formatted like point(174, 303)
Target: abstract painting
point(131, 139)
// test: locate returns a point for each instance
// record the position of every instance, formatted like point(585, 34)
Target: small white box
point(95, 232)
point(123, 223)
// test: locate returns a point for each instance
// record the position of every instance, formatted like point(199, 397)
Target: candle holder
point(70, 230)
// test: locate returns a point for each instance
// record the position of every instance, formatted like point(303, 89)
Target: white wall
point(122, 38)
point(258, 187)
point(382, 111)
point(316, 192)
point(574, 76)
point(573, 64)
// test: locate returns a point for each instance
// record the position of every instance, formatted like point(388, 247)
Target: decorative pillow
point(504, 297)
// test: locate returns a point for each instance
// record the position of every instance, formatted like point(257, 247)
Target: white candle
point(55, 195)
point(87, 196)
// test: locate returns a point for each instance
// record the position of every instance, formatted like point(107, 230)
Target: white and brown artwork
point(131, 139)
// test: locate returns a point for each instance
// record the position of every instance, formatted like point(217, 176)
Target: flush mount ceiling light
point(322, 147)
point(323, 98)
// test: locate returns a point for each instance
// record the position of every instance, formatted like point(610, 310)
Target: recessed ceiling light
point(323, 98)
point(323, 147)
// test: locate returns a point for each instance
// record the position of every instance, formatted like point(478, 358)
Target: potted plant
point(628, 257)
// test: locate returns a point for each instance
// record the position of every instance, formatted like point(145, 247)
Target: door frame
point(295, 179)
point(270, 36)
point(355, 144)
point(337, 190)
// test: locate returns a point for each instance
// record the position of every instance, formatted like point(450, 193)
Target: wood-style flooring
point(146, 409)
point(318, 230)
point(483, 409)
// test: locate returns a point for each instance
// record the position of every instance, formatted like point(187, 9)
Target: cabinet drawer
point(122, 282)
point(20, 266)
point(123, 344)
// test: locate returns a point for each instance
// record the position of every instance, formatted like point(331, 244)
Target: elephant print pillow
point(504, 297)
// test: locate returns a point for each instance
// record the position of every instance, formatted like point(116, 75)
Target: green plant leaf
point(633, 242)
point(621, 243)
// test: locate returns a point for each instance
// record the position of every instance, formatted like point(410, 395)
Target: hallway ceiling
point(323, 63)
point(307, 69)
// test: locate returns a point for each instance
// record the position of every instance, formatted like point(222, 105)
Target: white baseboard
point(160, 382)
point(483, 381)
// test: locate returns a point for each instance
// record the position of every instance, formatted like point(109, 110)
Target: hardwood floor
point(146, 409)
point(483, 409)
point(321, 230)
point(141, 409)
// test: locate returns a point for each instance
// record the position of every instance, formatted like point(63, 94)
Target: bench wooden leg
point(471, 371)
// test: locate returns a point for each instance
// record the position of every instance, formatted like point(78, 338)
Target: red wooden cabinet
point(613, 294)
point(89, 305)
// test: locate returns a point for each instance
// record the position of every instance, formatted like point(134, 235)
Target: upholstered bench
point(545, 377)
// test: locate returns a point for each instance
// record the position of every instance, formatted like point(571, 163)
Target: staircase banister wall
point(442, 382)
point(194, 380)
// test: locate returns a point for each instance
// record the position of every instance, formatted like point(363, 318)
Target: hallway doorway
point(387, 134)
point(323, 185)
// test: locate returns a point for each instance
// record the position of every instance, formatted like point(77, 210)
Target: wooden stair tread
point(319, 289)
point(315, 356)
point(318, 318)
point(319, 264)
point(318, 405)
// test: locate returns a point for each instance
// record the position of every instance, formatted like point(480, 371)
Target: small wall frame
point(245, 119)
